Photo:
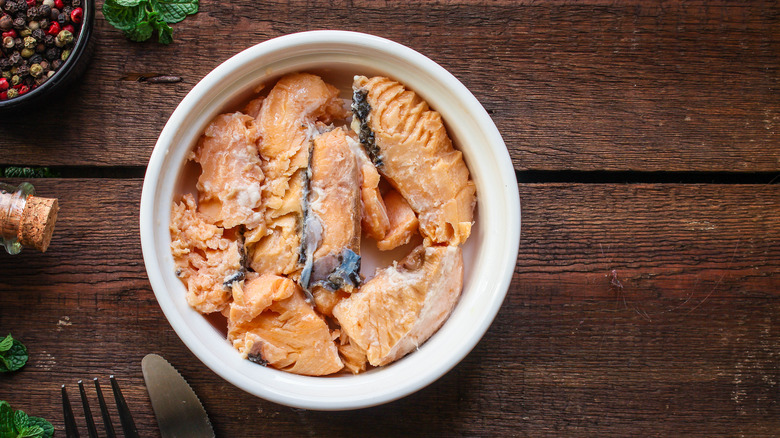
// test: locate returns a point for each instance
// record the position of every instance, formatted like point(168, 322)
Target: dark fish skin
point(362, 111)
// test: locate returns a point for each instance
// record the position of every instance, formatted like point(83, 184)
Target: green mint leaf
point(122, 17)
point(20, 421)
point(164, 32)
point(28, 172)
point(6, 343)
point(142, 32)
point(47, 429)
point(6, 420)
point(14, 358)
point(129, 3)
point(173, 11)
point(31, 432)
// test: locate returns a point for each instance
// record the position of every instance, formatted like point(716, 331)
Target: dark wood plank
point(596, 85)
point(681, 340)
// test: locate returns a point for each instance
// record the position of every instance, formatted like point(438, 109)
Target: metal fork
point(125, 419)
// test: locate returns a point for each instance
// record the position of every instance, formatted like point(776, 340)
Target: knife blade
point(179, 412)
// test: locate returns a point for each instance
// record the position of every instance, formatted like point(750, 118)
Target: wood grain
point(681, 340)
point(593, 85)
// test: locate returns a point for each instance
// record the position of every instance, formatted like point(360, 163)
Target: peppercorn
point(40, 47)
point(15, 58)
point(54, 28)
point(69, 28)
point(48, 40)
point(7, 74)
point(50, 73)
point(15, 80)
point(36, 70)
point(19, 23)
point(34, 25)
point(29, 42)
point(6, 22)
point(8, 42)
point(32, 12)
point(5, 64)
point(26, 53)
point(43, 23)
point(18, 44)
point(36, 59)
point(65, 54)
point(63, 38)
point(53, 14)
point(62, 18)
point(52, 53)
point(2, 2)
point(39, 81)
point(22, 70)
point(74, 3)
point(56, 64)
point(38, 34)
point(30, 3)
point(3, 84)
point(12, 92)
point(44, 64)
point(12, 7)
point(49, 3)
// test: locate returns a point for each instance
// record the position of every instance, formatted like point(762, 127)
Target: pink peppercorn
point(69, 28)
point(54, 29)
point(3, 95)
point(23, 89)
point(77, 15)
point(11, 33)
point(59, 4)
point(30, 3)
point(3, 84)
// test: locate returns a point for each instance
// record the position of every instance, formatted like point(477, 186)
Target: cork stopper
point(37, 225)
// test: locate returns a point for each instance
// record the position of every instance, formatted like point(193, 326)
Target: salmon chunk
point(272, 324)
point(229, 184)
point(409, 145)
point(287, 120)
point(403, 222)
point(404, 304)
point(374, 221)
point(332, 224)
point(207, 259)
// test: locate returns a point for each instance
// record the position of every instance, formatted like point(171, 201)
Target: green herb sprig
point(17, 424)
point(139, 19)
point(13, 355)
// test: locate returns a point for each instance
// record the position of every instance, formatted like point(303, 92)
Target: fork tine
point(110, 433)
point(128, 425)
point(71, 431)
point(87, 412)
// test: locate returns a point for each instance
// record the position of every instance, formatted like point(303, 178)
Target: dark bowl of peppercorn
point(45, 46)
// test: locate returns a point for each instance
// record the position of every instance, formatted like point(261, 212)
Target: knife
point(178, 410)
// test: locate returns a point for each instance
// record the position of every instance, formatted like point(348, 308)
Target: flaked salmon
point(408, 143)
point(287, 120)
point(271, 323)
point(403, 222)
point(332, 220)
point(229, 183)
point(208, 258)
point(404, 304)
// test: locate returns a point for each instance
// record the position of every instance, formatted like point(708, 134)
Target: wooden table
point(645, 299)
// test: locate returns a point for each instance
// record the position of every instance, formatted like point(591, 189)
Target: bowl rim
point(66, 72)
point(392, 391)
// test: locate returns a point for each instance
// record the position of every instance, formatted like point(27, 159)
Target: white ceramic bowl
point(489, 255)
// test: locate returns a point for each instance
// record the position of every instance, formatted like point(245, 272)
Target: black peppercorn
point(48, 40)
point(67, 10)
point(36, 59)
point(52, 53)
point(12, 7)
point(18, 44)
point(43, 23)
point(38, 34)
point(45, 10)
point(56, 64)
point(32, 13)
point(15, 58)
point(54, 14)
point(19, 23)
point(40, 48)
point(22, 70)
point(5, 64)
point(62, 18)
